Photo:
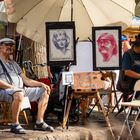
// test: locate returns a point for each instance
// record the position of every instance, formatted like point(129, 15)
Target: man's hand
point(46, 87)
point(50, 75)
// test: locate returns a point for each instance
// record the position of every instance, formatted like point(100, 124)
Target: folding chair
point(134, 103)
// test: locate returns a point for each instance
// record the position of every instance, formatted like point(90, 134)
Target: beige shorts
point(33, 93)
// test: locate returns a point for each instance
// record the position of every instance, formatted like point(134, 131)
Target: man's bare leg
point(16, 106)
point(42, 105)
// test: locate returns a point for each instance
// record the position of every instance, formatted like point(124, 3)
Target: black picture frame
point(107, 47)
point(61, 44)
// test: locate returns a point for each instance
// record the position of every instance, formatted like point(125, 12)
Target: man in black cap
point(12, 90)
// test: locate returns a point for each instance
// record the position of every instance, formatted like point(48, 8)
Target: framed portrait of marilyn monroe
point(107, 49)
point(60, 40)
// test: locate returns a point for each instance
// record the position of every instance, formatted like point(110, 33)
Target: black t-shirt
point(127, 63)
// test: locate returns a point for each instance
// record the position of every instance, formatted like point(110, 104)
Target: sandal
point(17, 129)
point(43, 127)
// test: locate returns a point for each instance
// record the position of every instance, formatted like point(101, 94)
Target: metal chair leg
point(130, 129)
point(126, 119)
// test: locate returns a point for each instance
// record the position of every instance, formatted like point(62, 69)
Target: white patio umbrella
point(126, 4)
point(3, 15)
point(31, 15)
point(135, 21)
point(137, 8)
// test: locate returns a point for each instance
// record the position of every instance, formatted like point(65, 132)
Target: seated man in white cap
point(12, 89)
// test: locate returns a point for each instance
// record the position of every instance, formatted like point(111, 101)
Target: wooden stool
point(7, 113)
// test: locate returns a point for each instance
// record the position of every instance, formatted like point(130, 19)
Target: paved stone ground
point(94, 128)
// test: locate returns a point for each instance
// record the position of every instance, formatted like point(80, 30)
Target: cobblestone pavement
point(94, 128)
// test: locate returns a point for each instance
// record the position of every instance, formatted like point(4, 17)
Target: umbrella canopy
point(135, 21)
point(31, 15)
point(126, 4)
point(3, 15)
point(137, 8)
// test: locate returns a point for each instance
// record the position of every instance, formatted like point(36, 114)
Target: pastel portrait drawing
point(107, 46)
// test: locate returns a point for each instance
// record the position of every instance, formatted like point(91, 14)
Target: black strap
point(6, 72)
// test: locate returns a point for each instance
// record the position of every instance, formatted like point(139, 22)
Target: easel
point(68, 97)
point(85, 94)
point(113, 89)
point(68, 101)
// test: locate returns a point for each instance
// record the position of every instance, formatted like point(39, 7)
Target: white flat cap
point(7, 41)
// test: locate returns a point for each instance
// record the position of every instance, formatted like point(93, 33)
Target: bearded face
point(107, 46)
point(6, 49)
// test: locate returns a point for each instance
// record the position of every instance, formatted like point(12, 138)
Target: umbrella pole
point(71, 10)
point(18, 49)
point(67, 105)
point(66, 109)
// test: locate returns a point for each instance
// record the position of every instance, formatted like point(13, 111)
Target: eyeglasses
point(8, 44)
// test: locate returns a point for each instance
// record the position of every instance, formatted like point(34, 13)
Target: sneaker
point(17, 129)
point(43, 127)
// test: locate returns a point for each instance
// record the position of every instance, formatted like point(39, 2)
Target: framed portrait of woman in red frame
point(107, 49)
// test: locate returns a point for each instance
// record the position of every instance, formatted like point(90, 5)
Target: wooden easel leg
point(85, 105)
point(25, 117)
point(83, 108)
point(114, 90)
point(67, 112)
point(105, 114)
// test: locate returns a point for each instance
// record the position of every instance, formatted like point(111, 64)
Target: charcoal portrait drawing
point(61, 42)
